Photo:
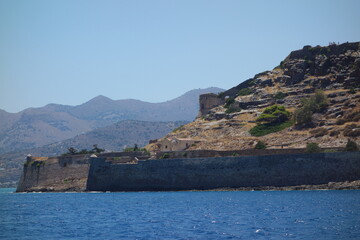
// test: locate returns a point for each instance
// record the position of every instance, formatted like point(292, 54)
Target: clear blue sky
point(70, 51)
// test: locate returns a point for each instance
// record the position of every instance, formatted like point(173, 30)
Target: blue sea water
point(181, 215)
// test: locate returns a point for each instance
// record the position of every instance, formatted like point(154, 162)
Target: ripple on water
point(181, 215)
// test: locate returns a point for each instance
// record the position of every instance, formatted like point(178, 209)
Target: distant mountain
point(115, 137)
point(112, 138)
point(35, 127)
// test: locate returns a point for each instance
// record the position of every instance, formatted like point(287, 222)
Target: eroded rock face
point(335, 69)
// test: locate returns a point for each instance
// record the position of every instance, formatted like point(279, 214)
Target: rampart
point(68, 173)
point(224, 172)
point(65, 173)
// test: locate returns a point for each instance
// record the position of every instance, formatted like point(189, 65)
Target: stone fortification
point(224, 172)
point(67, 173)
point(209, 101)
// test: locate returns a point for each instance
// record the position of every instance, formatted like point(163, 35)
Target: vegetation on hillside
point(260, 145)
point(312, 148)
point(74, 151)
point(273, 119)
point(315, 104)
point(351, 146)
point(273, 115)
point(230, 108)
point(280, 95)
point(244, 92)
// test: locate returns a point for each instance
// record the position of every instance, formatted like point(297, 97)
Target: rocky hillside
point(35, 127)
point(234, 119)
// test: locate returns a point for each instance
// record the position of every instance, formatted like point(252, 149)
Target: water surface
point(181, 215)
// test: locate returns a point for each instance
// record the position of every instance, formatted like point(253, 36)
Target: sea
point(181, 215)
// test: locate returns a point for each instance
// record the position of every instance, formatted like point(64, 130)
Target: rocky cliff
point(225, 120)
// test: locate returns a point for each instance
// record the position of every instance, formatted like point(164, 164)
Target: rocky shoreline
point(347, 185)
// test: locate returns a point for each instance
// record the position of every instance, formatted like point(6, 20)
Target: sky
point(70, 51)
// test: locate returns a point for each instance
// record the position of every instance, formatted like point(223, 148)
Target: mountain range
point(35, 127)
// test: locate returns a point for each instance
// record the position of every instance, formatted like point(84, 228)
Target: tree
point(260, 145)
point(316, 103)
point(312, 148)
point(96, 149)
point(72, 151)
point(351, 146)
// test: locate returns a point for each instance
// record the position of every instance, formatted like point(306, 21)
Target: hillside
point(225, 120)
point(111, 138)
point(35, 127)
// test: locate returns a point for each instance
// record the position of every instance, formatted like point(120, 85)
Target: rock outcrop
point(225, 119)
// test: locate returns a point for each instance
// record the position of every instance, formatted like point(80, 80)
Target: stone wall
point(234, 153)
point(55, 174)
point(223, 172)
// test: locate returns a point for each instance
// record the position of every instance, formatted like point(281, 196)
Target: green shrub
point(280, 95)
point(281, 64)
point(260, 145)
point(71, 151)
point(316, 103)
point(178, 128)
point(228, 102)
point(165, 155)
point(135, 149)
point(244, 92)
point(264, 129)
point(96, 149)
point(312, 148)
point(273, 115)
point(352, 90)
point(232, 110)
point(351, 146)
point(330, 150)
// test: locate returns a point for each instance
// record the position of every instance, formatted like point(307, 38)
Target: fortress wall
point(222, 172)
point(55, 174)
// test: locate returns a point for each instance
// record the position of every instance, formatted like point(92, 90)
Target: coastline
point(347, 185)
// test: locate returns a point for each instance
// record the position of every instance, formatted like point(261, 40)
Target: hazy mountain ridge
point(35, 127)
